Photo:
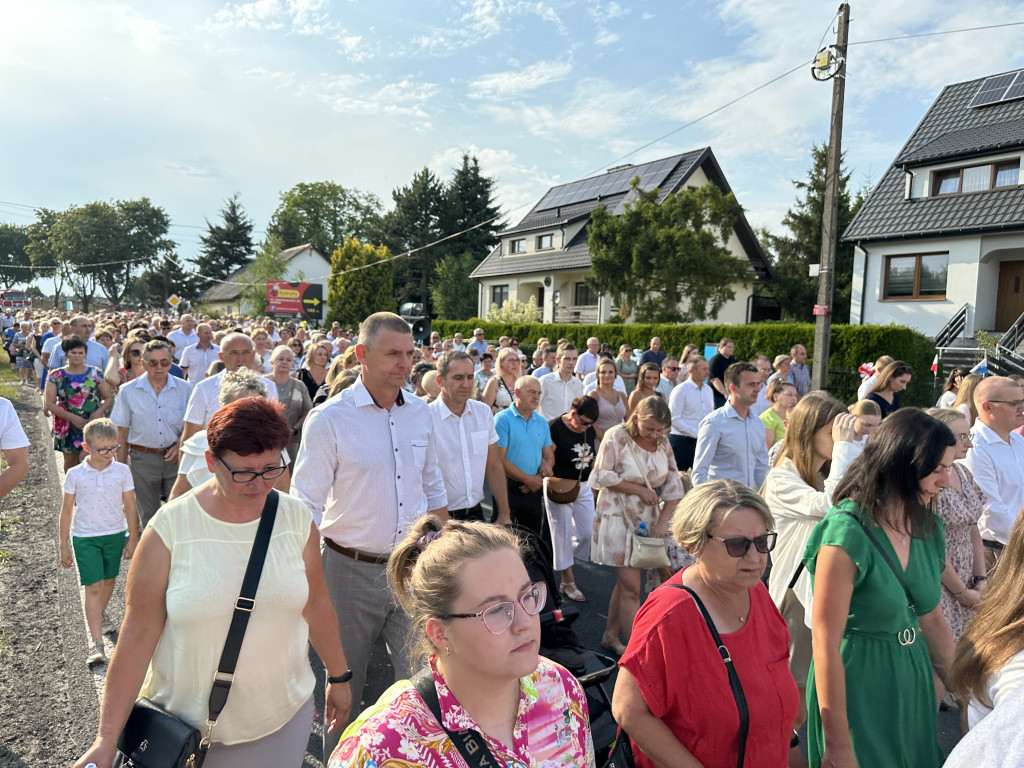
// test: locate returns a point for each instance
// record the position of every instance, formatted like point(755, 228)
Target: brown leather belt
point(357, 554)
point(144, 449)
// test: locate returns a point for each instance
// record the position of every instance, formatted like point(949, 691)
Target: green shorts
point(98, 557)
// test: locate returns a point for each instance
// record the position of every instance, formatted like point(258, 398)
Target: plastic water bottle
point(642, 531)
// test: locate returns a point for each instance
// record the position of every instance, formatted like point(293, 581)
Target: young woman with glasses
point(877, 630)
point(474, 611)
point(673, 695)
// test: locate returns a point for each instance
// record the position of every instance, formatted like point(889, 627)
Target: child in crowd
point(98, 507)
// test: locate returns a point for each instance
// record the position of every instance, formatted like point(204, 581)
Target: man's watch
point(344, 678)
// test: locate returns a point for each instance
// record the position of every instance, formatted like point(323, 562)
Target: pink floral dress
point(959, 512)
point(399, 731)
point(78, 393)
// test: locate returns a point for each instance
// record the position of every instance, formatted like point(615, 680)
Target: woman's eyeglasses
point(135, 353)
point(247, 476)
point(739, 546)
point(499, 617)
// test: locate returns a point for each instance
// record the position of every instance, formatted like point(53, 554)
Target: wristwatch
point(344, 678)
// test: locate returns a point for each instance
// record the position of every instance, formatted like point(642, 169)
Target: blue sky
point(191, 101)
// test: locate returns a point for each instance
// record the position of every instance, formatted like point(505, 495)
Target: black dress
point(307, 378)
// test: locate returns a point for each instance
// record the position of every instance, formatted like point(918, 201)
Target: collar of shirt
point(362, 396)
point(144, 382)
point(518, 415)
point(989, 435)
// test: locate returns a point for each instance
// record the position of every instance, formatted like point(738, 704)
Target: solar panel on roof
point(1016, 90)
point(993, 89)
point(613, 183)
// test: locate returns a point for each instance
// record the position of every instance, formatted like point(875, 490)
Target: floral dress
point(620, 458)
point(551, 731)
point(959, 512)
point(78, 393)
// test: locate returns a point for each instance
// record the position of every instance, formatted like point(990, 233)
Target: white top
point(762, 403)
point(998, 469)
point(195, 361)
point(1000, 684)
point(192, 459)
point(590, 383)
point(997, 742)
point(182, 340)
point(365, 473)
point(463, 441)
point(665, 386)
point(867, 384)
point(205, 399)
point(797, 507)
point(208, 559)
point(586, 362)
point(556, 396)
point(947, 400)
point(689, 405)
point(99, 507)
point(12, 434)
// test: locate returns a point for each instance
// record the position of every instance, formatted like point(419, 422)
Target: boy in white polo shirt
point(98, 507)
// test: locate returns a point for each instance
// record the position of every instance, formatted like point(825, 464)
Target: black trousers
point(684, 449)
point(470, 513)
point(527, 510)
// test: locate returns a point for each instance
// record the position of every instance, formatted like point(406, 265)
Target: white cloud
point(604, 37)
point(483, 20)
point(504, 84)
point(346, 94)
point(302, 17)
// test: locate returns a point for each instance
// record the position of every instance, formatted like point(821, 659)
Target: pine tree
point(226, 246)
point(415, 222)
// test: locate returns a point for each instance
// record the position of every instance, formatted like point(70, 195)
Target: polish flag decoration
point(935, 364)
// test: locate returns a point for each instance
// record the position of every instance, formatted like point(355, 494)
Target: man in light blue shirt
point(96, 354)
point(527, 454)
point(149, 413)
point(730, 440)
point(478, 343)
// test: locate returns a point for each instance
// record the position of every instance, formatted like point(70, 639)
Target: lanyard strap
point(470, 743)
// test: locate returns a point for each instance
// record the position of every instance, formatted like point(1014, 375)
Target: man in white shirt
point(236, 350)
point(730, 440)
point(197, 358)
point(367, 469)
point(14, 446)
point(690, 402)
point(997, 460)
point(467, 443)
point(559, 388)
point(587, 362)
point(669, 376)
point(184, 336)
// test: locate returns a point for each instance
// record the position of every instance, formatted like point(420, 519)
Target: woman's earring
point(448, 650)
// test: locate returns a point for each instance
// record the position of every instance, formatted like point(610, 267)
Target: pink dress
point(959, 512)
point(552, 727)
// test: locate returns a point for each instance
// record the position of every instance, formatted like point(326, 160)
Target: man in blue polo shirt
point(527, 455)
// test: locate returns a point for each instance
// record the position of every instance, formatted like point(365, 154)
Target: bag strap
point(470, 743)
point(734, 679)
point(244, 606)
point(885, 556)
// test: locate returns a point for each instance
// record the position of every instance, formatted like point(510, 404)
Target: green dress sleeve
point(840, 530)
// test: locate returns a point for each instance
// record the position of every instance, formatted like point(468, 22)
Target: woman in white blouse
point(816, 451)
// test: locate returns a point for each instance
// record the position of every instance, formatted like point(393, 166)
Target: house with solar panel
point(545, 255)
point(939, 243)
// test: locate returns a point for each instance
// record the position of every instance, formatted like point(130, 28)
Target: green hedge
point(851, 344)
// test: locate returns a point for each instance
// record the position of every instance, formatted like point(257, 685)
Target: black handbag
point(155, 738)
point(470, 743)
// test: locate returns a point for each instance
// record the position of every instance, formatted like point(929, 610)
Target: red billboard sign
point(304, 300)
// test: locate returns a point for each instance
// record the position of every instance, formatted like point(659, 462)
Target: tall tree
point(794, 253)
point(41, 252)
point(226, 246)
point(323, 214)
point(15, 266)
point(453, 294)
point(360, 283)
point(667, 263)
point(268, 265)
point(413, 224)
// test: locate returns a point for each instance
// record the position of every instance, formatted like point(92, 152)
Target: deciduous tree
point(323, 214)
point(667, 262)
point(268, 265)
point(15, 266)
point(360, 283)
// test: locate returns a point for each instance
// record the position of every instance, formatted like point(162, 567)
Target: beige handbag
point(646, 552)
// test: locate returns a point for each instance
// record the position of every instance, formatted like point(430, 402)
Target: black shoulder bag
point(156, 738)
point(622, 752)
point(470, 743)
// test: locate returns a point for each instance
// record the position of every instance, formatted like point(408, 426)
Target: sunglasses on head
point(739, 546)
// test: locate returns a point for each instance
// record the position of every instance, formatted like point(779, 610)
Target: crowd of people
point(814, 562)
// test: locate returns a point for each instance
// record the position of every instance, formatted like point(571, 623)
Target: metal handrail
point(954, 328)
point(1013, 336)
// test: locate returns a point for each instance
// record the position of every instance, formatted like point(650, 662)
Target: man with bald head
point(527, 455)
point(996, 460)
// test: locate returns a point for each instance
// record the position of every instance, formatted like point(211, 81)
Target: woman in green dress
point(871, 694)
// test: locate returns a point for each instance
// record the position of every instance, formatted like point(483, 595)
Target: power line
point(932, 34)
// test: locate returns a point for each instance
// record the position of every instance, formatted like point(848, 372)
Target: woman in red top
point(672, 695)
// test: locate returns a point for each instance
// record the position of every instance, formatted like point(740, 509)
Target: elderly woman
point(486, 372)
point(292, 393)
point(626, 368)
point(673, 695)
point(781, 365)
point(636, 474)
point(193, 469)
point(877, 630)
point(74, 394)
point(474, 614)
point(182, 589)
point(568, 500)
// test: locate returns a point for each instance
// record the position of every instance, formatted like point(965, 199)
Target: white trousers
point(572, 527)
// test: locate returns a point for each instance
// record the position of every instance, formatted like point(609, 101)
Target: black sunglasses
point(739, 546)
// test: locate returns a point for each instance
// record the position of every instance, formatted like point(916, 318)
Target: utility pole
point(829, 223)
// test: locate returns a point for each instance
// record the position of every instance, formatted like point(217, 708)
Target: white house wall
point(313, 270)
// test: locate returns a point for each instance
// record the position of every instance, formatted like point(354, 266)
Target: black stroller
point(560, 643)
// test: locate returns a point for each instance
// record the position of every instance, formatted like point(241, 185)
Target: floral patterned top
point(78, 393)
point(551, 731)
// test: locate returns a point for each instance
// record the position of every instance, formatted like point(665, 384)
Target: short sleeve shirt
point(12, 435)
point(99, 507)
point(524, 441)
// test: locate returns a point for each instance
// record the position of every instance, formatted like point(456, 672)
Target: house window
point(499, 295)
point(921, 276)
point(976, 178)
point(545, 241)
point(518, 246)
point(585, 296)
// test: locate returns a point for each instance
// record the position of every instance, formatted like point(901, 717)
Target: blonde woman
point(782, 396)
point(611, 402)
point(313, 372)
point(500, 389)
point(965, 397)
point(869, 416)
point(647, 381)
